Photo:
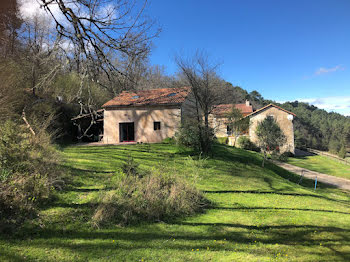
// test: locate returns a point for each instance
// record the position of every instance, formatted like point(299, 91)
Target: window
point(156, 126)
point(172, 94)
point(135, 97)
point(229, 130)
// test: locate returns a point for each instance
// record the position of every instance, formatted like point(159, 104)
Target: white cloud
point(339, 104)
point(323, 70)
point(30, 9)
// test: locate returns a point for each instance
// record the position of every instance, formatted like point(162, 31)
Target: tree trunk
point(199, 128)
point(263, 162)
point(206, 132)
point(27, 123)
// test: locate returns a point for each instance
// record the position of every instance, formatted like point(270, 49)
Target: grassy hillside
point(322, 164)
point(257, 214)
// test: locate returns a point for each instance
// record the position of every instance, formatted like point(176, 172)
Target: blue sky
point(286, 50)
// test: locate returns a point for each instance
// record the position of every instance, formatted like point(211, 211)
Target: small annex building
point(283, 118)
point(218, 117)
point(146, 116)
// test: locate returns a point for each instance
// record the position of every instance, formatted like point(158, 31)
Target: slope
point(257, 214)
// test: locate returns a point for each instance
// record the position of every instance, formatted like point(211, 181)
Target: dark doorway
point(126, 132)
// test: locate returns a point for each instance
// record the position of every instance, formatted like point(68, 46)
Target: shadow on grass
point(11, 256)
point(267, 234)
point(275, 193)
point(227, 153)
point(279, 208)
point(78, 170)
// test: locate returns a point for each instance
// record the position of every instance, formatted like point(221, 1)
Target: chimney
point(247, 103)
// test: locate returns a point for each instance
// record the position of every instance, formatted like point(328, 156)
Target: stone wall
point(284, 120)
point(219, 124)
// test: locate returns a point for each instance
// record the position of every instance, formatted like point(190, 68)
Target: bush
point(169, 140)
point(342, 152)
point(28, 172)
point(275, 155)
point(284, 156)
point(188, 135)
point(130, 167)
point(245, 143)
point(156, 196)
point(222, 140)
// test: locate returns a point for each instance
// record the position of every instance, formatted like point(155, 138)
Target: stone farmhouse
point(283, 118)
point(149, 116)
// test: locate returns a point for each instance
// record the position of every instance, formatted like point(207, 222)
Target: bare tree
point(110, 39)
point(12, 96)
point(237, 123)
point(41, 53)
point(103, 30)
point(205, 85)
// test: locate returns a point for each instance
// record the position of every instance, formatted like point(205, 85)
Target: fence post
point(315, 183)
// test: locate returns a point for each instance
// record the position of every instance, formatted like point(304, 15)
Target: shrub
point(342, 152)
point(130, 167)
point(156, 196)
point(188, 135)
point(284, 156)
point(245, 143)
point(222, 140)
point(28, 172)
point(169, 140)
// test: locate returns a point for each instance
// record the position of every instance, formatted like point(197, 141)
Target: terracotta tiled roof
point(269, 105)
point(226, 108)
point(163, 96)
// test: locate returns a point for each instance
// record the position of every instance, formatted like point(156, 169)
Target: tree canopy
point(270, 136)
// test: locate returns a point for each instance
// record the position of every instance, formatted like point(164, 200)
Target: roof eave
point(267, 106)
point(141, 105)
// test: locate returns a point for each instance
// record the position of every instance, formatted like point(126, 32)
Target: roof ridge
point(156, 96)
point(264, 107)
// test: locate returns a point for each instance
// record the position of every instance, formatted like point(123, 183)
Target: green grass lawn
point(257, 214)
point(322, 164)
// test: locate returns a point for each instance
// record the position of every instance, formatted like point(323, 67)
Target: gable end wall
point(281, 118)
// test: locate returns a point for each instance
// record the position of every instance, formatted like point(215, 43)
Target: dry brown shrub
point(157, 196)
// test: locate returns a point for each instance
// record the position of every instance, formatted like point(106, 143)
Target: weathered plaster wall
point(281, 118)
point(219, 125)
point(143, 118)
point(188, 109)
point(220, 129)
